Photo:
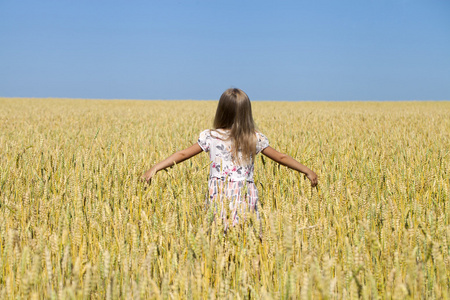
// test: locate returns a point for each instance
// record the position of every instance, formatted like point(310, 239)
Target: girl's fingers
point(145, 179)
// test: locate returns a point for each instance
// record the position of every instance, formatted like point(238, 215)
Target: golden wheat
point(75, 222)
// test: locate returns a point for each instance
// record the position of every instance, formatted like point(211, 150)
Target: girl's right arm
point(175, 158)
point(288, 161)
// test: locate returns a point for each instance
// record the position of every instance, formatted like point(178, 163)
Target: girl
point(232, 146)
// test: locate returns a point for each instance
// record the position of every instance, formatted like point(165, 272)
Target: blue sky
point(273, 50)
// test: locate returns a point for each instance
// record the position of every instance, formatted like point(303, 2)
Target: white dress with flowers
point(231, 186)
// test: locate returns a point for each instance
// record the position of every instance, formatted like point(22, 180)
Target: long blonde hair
point(234, 113)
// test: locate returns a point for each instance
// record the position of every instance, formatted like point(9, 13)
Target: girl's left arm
point(172, 160)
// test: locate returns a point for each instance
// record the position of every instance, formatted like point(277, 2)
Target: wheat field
point(76, 222)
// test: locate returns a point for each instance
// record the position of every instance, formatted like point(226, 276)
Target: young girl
point(232, 146)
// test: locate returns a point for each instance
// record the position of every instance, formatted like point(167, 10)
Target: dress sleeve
point(261, 143)
point(204, 141)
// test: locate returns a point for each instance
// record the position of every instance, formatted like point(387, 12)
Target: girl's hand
point(312, 177)
point(147, 176)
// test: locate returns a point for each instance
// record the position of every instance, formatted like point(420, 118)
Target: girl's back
point(223, 165)
point(231, 188)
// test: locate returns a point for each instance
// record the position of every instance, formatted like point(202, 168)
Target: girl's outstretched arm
point(175, 158)
point(288, 161)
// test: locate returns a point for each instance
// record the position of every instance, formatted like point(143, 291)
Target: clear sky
point(273, 50)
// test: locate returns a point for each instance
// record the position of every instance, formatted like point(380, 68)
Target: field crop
point(76, 222)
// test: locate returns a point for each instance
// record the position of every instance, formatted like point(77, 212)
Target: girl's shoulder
point(204, 140)
point(260, 136)
point(262, 142)
point(206, 132)
point(211, 137)
point(214, 133)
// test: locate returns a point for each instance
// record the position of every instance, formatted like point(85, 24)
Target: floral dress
point(231, 186)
